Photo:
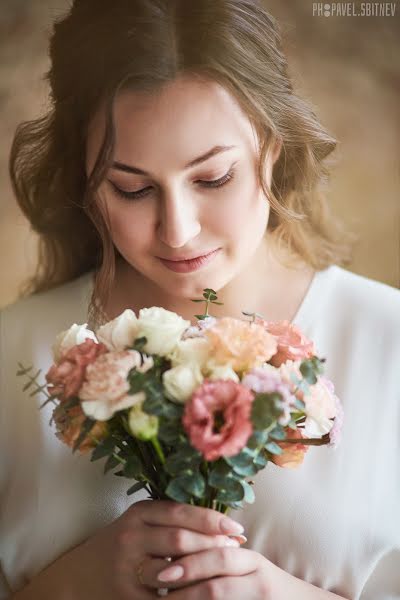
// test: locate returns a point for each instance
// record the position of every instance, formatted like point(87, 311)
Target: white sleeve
point(384, 581)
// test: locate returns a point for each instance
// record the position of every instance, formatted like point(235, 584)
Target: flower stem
point(158, 449)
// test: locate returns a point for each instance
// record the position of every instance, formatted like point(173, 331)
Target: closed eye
point(215, 183)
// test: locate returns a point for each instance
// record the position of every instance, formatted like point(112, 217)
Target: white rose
point(191, 350)
point(320, 409)
point(180, 382)
point(162, 328)
point(120, 333)
point(221, 372)
point(65, 340)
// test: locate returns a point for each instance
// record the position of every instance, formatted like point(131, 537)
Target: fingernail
point(231, 526)
point(231, 542)
point(171, 574)
point(242, 539)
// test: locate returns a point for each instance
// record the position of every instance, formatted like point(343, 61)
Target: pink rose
point(292, 343)
point(217, 418)
point(293, 454)
point(66, 377)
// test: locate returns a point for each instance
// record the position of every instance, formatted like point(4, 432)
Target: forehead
point(180, 121)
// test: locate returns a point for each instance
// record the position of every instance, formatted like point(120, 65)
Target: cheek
point(131, 225)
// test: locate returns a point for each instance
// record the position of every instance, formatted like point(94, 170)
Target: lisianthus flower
point(241, 344)
point(293, 454)
point(66, 376)
point(162, 328)
point(142, 425)
point(69, 423)
point(217, 418)
point(120, 333)
point(73, 336)
point(292, 343)
point(191, 351)
point(181, 381)
point(321, 408)
point(199, 329)
point(336, 430)
point(106, 388)
point(267, 379)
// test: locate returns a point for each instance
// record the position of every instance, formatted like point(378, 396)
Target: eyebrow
point(196, 161)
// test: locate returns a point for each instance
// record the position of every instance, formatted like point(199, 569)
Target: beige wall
point(347, 66)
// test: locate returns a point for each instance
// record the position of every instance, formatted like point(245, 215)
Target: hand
point(216, 573)
point(234, 573)
point(105, 566)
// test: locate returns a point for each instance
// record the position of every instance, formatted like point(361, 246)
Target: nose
point(179, 221)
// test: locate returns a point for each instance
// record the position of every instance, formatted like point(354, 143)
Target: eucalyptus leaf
point(111, 463)
point(193, 484)
point(278, 433)
point(136, 487)
point(233, 493)
point(103, 449)
point(273, 448)
point(265, 410)
point(87, 426)
point(133, 467)
point(176, 492)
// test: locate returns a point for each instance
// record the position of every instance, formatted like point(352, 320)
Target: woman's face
point(180, 205)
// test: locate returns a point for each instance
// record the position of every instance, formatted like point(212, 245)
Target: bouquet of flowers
point(190, 413)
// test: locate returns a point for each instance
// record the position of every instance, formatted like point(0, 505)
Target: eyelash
point(216, 183)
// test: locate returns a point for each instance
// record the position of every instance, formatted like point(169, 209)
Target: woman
point(176, 156)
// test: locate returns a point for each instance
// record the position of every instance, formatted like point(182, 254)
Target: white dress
point(334, 522)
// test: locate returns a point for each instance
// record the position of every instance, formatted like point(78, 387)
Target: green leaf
point(266, 410)
point(103, 449)
point(169, 431)
point(193, 484)
point(140, 343)
point(201, 317)
point(209, 291)
point(249, 495)
point(178, 463)
point(307, 369)
point(219, 303)
point(242, 463)
point(273, 448)
point(299, 404)
point(200, 300)
point(111, 463)
point(278, 433)
point(261, 461)
point(257, 439)
point(87, 426)
point(232, 493)
point(176, 492)
point(137, 381)
point(133, 467)
point(136, 487)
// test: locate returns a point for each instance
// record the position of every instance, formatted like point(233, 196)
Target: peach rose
point(293, 454)
point(241, 344)
point(69, 423)
point(292, 343)
point(66, 377)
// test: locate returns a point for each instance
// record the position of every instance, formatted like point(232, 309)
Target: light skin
point(179, 215)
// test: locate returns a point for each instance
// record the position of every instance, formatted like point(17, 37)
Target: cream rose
point(120, 333)
point(65, 340)
point(180, 382)
point(215, 371)
point(191, 351)
point(162, 328)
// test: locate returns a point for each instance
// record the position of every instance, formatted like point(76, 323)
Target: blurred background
point(347, 66)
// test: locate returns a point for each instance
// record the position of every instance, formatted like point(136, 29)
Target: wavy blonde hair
point(141, 45)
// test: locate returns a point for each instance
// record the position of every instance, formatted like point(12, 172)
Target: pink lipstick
point(193, 264)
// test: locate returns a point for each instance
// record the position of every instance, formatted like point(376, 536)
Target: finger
point(197, 518)
point(223, 587)
point(175, 541)
point(216, 562)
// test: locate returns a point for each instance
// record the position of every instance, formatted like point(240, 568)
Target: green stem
point(158, 449)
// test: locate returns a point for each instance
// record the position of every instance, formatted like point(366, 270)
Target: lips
point(191, 264)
